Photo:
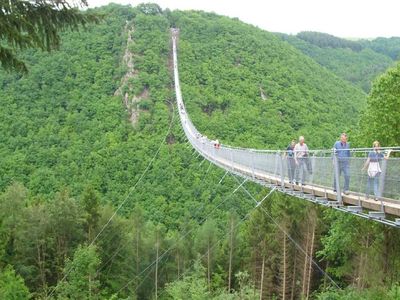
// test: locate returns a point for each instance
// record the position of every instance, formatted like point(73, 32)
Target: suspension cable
point(229, 231)
point(125, 199)
point(297, 245)
point(119, 248)
point(182, 237)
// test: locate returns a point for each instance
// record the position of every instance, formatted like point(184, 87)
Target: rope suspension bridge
point(322, 184)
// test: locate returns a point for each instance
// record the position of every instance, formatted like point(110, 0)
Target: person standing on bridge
point(374, 169)
point(342, 151)
point(291, 163)
point(301, 156)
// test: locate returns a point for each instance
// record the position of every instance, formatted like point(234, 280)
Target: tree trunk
point(358, 277)
point(362, 265)
point(230, 257)
point(326, 274)
point(284, 269)
point(90, 287)
point(208, 267)
point(156, 276)
point(366, 260)
point(137, 250)
point(262, 277)
point(310, 261)
point(40, 260)
point(59, 260)
point(292, 293)
point(89, 233)
point(183, 264)
point(303, 290)
point(386, 251)
point(179, 262)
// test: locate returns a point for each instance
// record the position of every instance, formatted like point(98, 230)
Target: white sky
point(343, 18)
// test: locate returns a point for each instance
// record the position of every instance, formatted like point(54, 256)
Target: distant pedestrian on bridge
point(342, 152)
point(374, 169)
point(301, 157)
point(291, 163)
point(216, 144)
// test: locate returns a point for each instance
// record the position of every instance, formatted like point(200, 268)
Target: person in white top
point(301, 156)
point(374, 169)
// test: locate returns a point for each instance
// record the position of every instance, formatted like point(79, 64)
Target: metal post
point(231, 151)
point(252, 164)
point(312, 168)
point(311, 178)
point(275, 169)
point(214, 152)
point(382, 183)
point(360, 187)
point(280, 160)
point(337, 179)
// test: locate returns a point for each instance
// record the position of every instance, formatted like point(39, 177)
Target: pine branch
point(37, 24)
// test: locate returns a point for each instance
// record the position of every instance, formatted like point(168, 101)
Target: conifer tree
point(91, 207)
point(36, 24)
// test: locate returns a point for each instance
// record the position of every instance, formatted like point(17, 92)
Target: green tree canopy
point(381, 120)
point(81, 271)
point(12, 286)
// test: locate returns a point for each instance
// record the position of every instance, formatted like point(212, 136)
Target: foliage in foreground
point(36, 24)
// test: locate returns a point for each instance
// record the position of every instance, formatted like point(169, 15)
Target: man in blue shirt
point(342, 152)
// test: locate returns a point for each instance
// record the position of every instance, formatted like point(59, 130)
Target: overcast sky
point(344, 18)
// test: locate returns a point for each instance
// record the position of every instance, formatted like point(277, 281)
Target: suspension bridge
point(270, 168)
point(322, 185)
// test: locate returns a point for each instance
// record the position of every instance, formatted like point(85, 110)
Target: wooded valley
point(101, 196)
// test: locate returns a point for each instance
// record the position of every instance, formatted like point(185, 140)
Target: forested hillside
point(101, 197)
point(358, 62)
point(246, 87)
point(387, 46)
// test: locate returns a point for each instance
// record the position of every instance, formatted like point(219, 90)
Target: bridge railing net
point(318, 169)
